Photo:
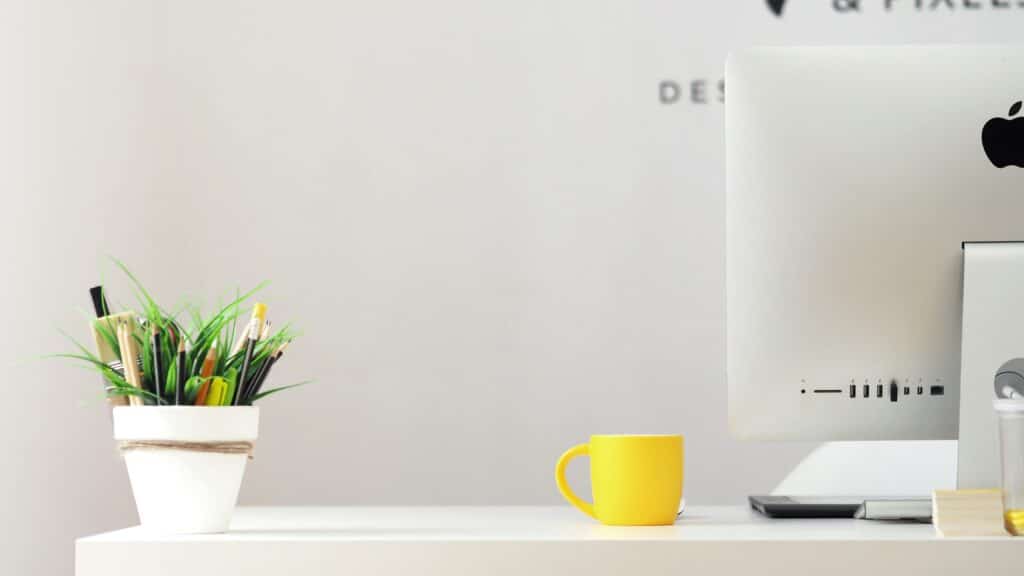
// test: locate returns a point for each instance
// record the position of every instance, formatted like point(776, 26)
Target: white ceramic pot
point(180, 490)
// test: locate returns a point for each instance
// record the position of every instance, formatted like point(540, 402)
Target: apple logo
point(776, 6)
point(1003, 139)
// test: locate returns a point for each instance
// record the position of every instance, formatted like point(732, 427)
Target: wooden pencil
point(129, 353)
point(209, 363)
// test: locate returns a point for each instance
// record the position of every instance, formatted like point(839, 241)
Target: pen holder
point(185, 463)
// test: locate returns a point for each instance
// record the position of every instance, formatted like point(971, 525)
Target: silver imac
point(853, 176)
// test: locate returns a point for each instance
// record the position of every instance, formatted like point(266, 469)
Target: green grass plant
point(200, 333)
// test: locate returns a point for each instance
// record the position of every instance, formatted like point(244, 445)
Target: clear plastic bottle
point(1011, 443)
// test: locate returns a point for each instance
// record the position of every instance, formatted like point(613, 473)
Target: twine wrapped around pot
point(241, 447)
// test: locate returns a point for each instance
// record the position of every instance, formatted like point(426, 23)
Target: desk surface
point(536, 540)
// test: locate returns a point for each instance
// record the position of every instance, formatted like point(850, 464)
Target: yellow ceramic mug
point(635, 480)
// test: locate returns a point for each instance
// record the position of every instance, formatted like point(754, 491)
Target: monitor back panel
point(853, 176)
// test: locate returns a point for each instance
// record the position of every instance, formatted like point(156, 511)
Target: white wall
point(494, 236)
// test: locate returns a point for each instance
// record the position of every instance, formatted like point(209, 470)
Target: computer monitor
point(853, 176)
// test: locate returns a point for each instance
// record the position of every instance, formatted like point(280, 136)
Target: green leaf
point(107, 331)
point(171, 380)
point(229, 394)
point(146, 348)
point(278, 389)
point(129, 391)
point(221, 328)
point(192, 386)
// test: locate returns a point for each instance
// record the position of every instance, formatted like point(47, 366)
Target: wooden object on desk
point(539, 541)
point(104, 351)
point(968, 513)
point(129, 355)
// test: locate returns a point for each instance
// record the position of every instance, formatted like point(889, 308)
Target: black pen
point(158, 365)
point(99, 304)
point(99, 301)
point(262, 376)
point(258, 376)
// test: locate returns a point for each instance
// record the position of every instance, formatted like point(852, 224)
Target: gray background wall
point(496, 238)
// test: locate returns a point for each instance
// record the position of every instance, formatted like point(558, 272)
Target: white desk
point(538, 540)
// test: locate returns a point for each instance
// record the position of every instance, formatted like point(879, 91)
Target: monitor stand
point(992, 353)
point(829, 481)
point(836, 477)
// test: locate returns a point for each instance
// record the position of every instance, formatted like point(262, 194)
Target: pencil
point(179, 385)
point(158, 365)
point(118, 365)
point(133, 355)
point(259, 316)
point(209, 363)
point(240, 343)
point(126, 342)
point(104, 349)
point(244, 336)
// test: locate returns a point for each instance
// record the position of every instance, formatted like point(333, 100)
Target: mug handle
point(563, 486)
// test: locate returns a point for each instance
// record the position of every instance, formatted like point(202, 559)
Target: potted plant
point(183, 395)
